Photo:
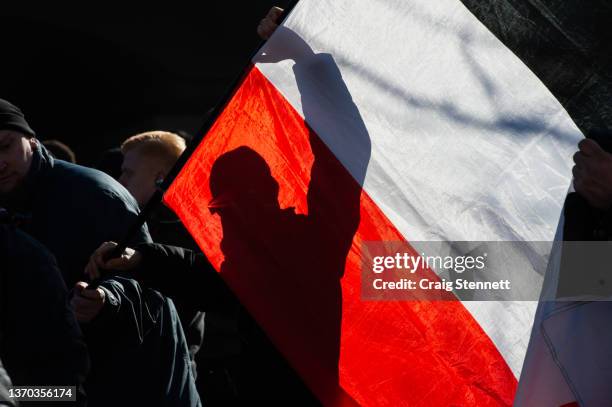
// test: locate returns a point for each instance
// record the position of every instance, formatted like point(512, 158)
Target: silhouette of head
point(242, 186)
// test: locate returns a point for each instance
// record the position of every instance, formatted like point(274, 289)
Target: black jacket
point(166, 228)
point(146, 362)
point(73, 209)
point(41, 343)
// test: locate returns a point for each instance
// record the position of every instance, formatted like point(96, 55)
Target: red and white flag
point(379, 121)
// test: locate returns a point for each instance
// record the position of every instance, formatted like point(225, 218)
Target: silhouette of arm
point(341, 154)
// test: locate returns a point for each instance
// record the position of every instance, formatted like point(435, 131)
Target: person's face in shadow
point(245, 195)
point(16, 152)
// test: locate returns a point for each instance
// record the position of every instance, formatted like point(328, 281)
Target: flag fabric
point(369, 121)
point(568, 360)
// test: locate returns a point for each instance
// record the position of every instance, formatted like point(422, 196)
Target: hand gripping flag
point(378, 121)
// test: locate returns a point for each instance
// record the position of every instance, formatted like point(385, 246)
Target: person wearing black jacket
point(41, 343)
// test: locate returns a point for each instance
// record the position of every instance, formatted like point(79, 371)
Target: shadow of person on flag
point(286, 267)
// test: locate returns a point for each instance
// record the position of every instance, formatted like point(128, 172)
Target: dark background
point(91, 78)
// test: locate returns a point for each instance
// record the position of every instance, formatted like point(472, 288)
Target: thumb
point(80, 286)
point(92, 294)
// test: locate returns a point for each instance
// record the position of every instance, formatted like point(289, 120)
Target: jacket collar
point(42, 161)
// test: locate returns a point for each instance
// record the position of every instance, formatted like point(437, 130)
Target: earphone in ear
point(159, 181)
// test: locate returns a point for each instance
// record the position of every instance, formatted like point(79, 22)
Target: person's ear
point(33, 142)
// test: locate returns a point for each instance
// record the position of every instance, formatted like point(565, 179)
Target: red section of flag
point(285, 229)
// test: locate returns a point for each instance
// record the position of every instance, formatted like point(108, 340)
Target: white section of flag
point(467, 144)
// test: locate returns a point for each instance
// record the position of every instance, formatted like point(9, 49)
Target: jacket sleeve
point(184, 275)
point(120, 216)
point(128, 309)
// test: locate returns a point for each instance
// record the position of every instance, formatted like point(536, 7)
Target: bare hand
point(593, 174)
point(129, 260)
point(87, 303)
point(269, 23)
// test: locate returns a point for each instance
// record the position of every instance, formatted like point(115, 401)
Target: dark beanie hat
point(11, 117)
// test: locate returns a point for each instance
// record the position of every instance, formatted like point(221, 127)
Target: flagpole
point(157, 197)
